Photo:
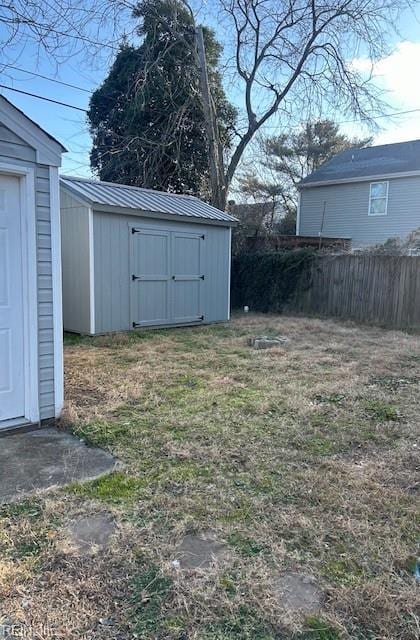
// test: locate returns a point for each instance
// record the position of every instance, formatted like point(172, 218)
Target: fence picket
point(373, 289)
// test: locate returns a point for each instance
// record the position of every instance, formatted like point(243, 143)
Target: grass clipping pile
point(264, 494)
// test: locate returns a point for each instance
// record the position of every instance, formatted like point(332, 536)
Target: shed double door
point(166, 277)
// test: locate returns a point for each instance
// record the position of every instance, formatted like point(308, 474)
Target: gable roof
point(48, 149)
point(112, 195)
point(353, 165)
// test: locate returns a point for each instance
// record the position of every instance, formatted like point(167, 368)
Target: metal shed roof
point(110, 194)
point(361, 164)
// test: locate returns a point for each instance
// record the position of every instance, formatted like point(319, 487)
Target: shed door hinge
point(134, 230)
point(136, 325)
point(201, 317)
point(201, 277)
point(134, 277)
point(203, 237)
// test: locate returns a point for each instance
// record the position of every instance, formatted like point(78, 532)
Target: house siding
point(112, 276)
point(75, 263)
point(346, 211)
point(15, 151)
point(45, 293)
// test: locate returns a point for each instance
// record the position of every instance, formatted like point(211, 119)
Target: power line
point(39, 75)
point(383, 115)
point(72, 86)
point(34, 95)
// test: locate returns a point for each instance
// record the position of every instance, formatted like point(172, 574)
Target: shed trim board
point(56, 292)
point(26, 177)
point(91, 259)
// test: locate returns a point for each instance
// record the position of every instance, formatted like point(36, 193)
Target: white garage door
point(12, 392)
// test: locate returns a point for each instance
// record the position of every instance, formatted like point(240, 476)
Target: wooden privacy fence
point(382, 290)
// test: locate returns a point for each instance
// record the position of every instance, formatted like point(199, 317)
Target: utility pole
point(217, 181)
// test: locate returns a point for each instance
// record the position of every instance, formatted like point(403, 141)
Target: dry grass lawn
point(301, 459)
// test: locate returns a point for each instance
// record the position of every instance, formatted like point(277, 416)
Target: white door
point(12, 389)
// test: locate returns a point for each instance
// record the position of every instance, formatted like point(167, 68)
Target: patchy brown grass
point(301, 459)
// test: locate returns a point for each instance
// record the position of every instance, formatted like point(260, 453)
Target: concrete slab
point(46, 458)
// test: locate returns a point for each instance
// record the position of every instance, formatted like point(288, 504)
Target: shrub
point(266, 281)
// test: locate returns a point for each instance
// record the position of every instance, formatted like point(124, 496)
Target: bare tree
point(60, 28)
point(291, 53)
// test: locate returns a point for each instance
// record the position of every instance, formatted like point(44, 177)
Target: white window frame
point(386, 182)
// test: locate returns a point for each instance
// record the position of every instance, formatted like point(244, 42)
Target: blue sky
point(399, 77)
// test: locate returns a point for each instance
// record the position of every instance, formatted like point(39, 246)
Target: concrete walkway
point(46, 458)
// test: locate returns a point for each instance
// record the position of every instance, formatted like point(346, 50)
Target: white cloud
point(398, 75)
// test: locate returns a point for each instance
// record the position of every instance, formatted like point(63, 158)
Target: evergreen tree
point(146, 119)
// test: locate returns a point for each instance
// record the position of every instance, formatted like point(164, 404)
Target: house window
point(378, 199)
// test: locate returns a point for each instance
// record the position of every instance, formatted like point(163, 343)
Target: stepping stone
point(297, 593)
point(89, 534)
point(200, 551)
point(265, 342)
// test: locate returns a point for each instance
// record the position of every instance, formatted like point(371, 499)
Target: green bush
point(266, 281)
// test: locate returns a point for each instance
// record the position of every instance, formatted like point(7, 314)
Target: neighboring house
point(31, 333)
point(136, 257)
point(367, 195)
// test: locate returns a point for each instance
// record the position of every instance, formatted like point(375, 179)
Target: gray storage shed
point(134, 257)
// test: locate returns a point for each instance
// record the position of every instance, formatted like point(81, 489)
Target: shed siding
point(15, 151)
point(75, 263)
point(112, 275)
point(346, 211)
